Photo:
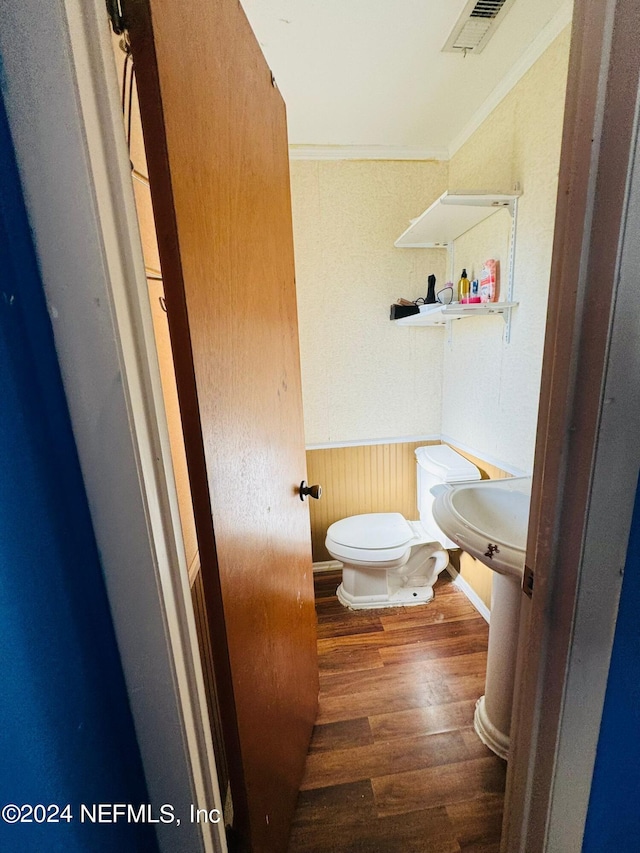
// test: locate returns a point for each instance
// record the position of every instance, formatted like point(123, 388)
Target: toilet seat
point(371, 530)
point(375, 537)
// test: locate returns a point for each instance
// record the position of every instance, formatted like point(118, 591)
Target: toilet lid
point(371, 531)
point(447, 465)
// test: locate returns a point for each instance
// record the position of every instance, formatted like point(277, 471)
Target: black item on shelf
point(431, 291)
point(399, 311)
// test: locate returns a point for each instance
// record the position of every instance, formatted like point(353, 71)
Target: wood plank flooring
point(394, 765)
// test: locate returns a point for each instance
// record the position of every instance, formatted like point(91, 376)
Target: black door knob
point(313, 491)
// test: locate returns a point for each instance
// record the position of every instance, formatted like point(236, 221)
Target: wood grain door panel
point(215, 134)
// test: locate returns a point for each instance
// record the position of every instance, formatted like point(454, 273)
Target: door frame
point(60, 90)
point(68, 47)
point(587, 455)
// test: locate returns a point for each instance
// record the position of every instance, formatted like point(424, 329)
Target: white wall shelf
point(440, 315)
point(451, 216)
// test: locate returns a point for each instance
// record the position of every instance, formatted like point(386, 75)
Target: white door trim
point(614, 478)
point(587, 455)
point(61, 96)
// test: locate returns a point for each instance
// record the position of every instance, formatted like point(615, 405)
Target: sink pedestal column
point(492, 719)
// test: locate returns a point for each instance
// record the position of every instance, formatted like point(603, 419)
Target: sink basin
point(487, 519)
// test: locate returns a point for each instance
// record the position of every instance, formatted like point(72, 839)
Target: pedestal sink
point(489, 520)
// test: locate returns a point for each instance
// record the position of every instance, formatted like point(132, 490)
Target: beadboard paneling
point(366, 478)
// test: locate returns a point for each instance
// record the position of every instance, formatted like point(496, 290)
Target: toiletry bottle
point(463, 287)
point(489, 281)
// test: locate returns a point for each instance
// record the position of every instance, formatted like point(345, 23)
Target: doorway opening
point(605, 65)
point(403, 498)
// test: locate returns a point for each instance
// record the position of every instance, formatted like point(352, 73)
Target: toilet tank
point(437, 464)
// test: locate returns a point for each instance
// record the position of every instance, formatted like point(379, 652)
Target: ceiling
point(371, 74)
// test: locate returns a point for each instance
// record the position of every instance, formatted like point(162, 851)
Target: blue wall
point(66, 733)
point(613, 819)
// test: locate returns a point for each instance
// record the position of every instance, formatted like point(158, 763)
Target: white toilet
point(391, 562)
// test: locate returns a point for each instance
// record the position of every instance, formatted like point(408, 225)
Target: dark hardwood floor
point(394, 765)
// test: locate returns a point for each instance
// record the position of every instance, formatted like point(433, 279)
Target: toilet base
point(405, 583)
point(404, 597)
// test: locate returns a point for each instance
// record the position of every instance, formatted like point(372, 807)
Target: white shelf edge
point(431, 316)
point(476, 309)
point(440, 315)
point(452, 215)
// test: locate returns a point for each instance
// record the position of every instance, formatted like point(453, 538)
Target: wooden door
point(215, 136)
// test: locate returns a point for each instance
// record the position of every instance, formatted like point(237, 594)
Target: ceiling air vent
point(476, 25)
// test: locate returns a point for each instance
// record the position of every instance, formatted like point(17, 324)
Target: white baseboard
point(327, 566)
point(470, 592)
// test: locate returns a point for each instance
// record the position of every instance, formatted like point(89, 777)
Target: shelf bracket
point(513, 210)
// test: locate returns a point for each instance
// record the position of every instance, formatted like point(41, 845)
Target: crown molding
point(535, 50)
point(365, 152)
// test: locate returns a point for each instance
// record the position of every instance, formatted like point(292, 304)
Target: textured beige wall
point(490, 399)
point(362, 377)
